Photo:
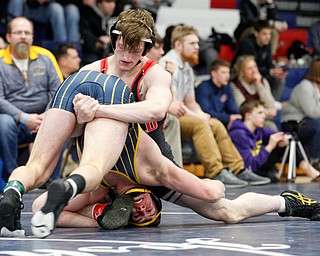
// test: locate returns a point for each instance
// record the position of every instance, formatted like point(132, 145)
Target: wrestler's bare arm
point(155, 169)
point(153, 108)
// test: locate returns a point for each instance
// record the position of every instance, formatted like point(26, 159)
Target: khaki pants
point(173, 137)
point(213, 145)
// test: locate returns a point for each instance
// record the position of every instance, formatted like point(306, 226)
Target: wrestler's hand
point(218, 187)
point(85, 108)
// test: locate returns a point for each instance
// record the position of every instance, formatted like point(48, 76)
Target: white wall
point(223, 20)
point(196, 4)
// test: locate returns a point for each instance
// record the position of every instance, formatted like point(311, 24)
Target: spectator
point(258, 45)
point(213, 145)
point(215, 95)
point(68, 59)
point(96, 21)
point(29, 76)
point(254, 10)
point(303, 107)
point(314, 34)
point(172, 134)
point(249, 84)
point(63, 17)
point(261, 148)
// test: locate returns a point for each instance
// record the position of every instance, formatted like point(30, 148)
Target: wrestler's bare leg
point(103, 142)
point(50, 139)
point(155, 169)
point(78, 212)
point(232, 211)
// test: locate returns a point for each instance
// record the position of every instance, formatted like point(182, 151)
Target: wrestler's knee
point(218, 127)
point(231, 214)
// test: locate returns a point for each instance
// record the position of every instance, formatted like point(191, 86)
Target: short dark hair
point(261, 24)
point(248, 106)
point(62, 50)
point(216, 64)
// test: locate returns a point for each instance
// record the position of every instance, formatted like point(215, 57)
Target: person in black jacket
point(253, 10)
point(95, 22)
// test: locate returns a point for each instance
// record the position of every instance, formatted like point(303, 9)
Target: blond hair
point(180, 32)
point(241, 63)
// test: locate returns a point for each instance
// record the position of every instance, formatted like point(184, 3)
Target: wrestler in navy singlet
point(107, 89)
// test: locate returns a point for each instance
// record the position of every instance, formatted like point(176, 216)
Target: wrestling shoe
point(10, 213)
point(298, 205)
point(43, 221)
point(116, 215)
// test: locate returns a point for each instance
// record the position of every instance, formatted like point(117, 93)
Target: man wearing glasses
point(29, 76)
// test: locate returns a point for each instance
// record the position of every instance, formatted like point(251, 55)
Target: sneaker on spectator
point(230, 180)
point(253, 178)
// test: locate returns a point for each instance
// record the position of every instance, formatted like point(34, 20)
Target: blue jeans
point(309, 134)
point(11, 135)
point(15, 7)
point(64, 20)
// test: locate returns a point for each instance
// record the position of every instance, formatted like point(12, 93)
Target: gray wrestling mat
point(181, 232)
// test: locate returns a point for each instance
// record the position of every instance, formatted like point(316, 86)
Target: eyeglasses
point(20, 33)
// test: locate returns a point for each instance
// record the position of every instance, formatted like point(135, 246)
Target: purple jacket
point(251, 145)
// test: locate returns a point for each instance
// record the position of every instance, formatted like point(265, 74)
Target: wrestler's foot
point(298, 205)
point(117, 214)
point(43, 221)
point(10, 212)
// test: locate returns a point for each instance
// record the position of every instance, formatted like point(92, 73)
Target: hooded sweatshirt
point(251, 146)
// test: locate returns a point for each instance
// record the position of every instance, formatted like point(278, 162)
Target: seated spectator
point(96, 21)
point(215, 96)
point(63, 16)
point(172, 126)
point(261, 148)
point(29, 76)
point(68, 59)
point(254, 10)
point(213, 145)
point(304, 108)
point(258, 45)
point(314, 34)
point(249, 84)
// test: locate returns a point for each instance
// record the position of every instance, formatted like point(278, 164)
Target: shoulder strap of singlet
point(137, 80)
point(103, 65)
